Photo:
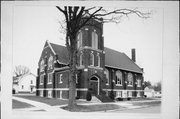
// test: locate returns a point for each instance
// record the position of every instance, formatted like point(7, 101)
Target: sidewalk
point(38, 106)
point(45, 107)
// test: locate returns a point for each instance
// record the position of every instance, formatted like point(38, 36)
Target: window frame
point(129, 93)
point(94, 40)
point(99, 60)
point(41, 79)
point(118, 94)
point(91, 58)
point(138, 82)
point(107, 76)
point(50, 92)
point(50, 75)
point(81, 59)
point(76, 78)
point(79, 39)
point(119, 79)
point(50, 62)
point(42, 65)
point(138, 94)
point(130, 74)
point(60, 78)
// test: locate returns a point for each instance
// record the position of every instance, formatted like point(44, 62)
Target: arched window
point(79, 39)
point(42, 66)
point(118, 78)
point(81, 59)
point(130, 79)
point(138, 82)
point(91, 59)
point(107, 76)
point(50, 62)
point(94, 40)
point(99, 60)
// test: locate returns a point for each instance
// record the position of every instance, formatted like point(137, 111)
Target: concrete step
point(95, 99)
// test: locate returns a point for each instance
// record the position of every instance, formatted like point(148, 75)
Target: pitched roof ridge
point(51, 47)
point(133, 62)
point(114, 50)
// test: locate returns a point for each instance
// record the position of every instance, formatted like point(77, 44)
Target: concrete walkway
point(38, 106)
point(44, 107)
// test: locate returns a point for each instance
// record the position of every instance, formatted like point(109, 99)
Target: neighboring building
point(149, 92)
point(25, 84)
point(101, 70)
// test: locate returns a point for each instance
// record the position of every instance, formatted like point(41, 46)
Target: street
point(151, 109)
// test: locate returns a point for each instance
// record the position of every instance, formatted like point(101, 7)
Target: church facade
point(101, 71)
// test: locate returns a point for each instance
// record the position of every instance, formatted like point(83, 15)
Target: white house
point(149, 92)
point(25, 84)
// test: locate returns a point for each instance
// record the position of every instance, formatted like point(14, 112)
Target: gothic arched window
point(91, 59)
point(107, 76)
point(138, 82)
point(99, 60)
point(118, 78)
point(94, 40)
point(42, 66)
point(130, 79)
point(79, 39)
point(81, 59)
point(50, 62)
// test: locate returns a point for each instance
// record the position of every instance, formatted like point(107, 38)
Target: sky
point(33, 25)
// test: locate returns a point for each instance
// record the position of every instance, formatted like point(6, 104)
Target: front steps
point(95, 99)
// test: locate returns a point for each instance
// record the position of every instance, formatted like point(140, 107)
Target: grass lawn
point(17, 105)
point(142, 98)
point(49, 101)
point(153, 103)
point(94, 108)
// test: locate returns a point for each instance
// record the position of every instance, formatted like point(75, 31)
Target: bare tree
point(21, 70)
point(74, 21)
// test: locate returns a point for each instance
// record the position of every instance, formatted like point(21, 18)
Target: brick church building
point(101, 71)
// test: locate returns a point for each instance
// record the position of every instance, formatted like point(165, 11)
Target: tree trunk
point(72, 89)
point(72, 80)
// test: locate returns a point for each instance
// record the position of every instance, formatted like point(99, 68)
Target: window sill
point(130, 85)
point(92, 66)
point(118, 84)
point(49, 83)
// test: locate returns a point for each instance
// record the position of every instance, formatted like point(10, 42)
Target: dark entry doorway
point(94, 85)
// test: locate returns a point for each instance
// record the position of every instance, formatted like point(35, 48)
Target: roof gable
point(61, 52)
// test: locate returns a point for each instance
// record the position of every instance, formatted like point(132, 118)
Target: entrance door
point(31, 89)
point(94, 86)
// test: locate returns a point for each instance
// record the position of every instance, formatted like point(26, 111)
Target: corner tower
point(91, 55)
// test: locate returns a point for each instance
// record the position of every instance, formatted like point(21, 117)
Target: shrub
point(111, 95)
point(77, 97)
point(13, 91)
point(88, 96)
point(119, 99)
point(128, 98)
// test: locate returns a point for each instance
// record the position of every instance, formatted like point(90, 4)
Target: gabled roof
point(61, 52)
point(120, 60)
point(113, 58)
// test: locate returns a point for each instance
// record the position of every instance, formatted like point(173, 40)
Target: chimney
point(133, 54)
